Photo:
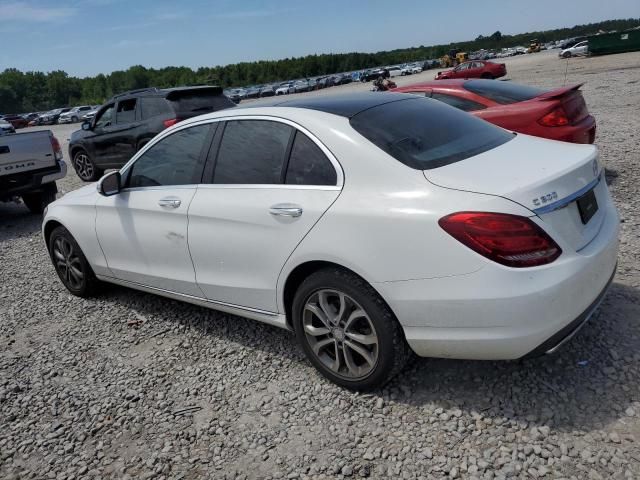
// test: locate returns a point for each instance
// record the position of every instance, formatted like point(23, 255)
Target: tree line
point(35, 91)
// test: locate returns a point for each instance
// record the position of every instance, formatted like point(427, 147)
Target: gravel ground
point(131, 385)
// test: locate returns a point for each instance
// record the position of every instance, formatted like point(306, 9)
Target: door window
point(126, 111)
point(308, 165)
point(174, 160)
point(154, 106)
point(461, 103)
point(252, 152)
point(478, 65)
point(105, 118)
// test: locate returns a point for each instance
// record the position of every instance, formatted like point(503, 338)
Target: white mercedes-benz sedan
point(372, 225)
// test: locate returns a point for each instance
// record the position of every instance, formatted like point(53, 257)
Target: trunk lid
point(23, 152)
point(571, 100)
point(545, 176)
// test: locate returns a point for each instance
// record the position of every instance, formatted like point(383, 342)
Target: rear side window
point(460, 103)
point(126, 112)
point(502, 92)
point(423, 133)
point(252, 152)
point(174, 160)
point(194, 102)
point(153, 107)
point(308, 165)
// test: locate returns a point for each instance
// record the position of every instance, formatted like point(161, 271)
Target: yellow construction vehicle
point(534, 46)
point(453, 58)
point(461, 57)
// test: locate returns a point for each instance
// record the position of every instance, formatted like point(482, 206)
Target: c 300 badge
point(544, 199)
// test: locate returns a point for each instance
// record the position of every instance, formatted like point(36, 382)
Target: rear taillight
point(511, 240)
point(55, 144)
point(171, 122)
point(555, 118)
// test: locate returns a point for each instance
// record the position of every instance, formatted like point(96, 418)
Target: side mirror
point(86, 125)
point(109, 184)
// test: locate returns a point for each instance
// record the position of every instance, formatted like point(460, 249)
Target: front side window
point(424, 134)
point(105, 118)
point(460, 103)
point(308, 165)
point(174, 160)
point(252, 152)
point(126, 111)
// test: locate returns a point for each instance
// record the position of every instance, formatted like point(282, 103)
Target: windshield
point(503, 92)
point(423, 133)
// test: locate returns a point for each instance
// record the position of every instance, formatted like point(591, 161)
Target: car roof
point(341, 105)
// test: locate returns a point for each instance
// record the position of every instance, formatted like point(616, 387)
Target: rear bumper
point(31, 181)
point(500, 313)
point(583, 132)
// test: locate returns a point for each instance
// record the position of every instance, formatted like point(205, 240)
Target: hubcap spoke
point(363, 339)
point(319, 313)
point(321, 344)
point(315, 331)
point(361, 351)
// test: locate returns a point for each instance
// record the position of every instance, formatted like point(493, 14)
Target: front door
point(270, 185)
point(143, 229)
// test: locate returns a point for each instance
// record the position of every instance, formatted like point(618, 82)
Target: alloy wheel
point(340, 333)
point(83, 166)
point(68, 263)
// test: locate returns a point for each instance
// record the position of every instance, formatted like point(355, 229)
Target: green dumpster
point(617, 42)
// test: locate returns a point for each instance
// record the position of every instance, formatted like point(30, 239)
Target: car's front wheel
point(347, 331)
point(566, 55)
point(85, 168)
point(70, 263)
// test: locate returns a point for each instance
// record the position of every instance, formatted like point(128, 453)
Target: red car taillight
point(555, 118)
point(55, 144)
point(171, 122)
point(510, 240)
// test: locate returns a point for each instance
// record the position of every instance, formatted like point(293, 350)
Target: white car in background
point(394, 71)
point(579, 49)
point(75, 114)
point(370, 224)
point(91, 113)
point(285, 89)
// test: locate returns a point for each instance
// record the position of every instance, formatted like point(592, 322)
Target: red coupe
point(475, 69)
point(559, 114)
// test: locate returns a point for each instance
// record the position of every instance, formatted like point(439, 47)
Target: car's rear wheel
point(347, 331)
point(85, 168)
point(36, 202)
point(72, 267)
point(487, 76)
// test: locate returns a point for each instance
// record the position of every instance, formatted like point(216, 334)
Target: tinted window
point(308, 165)
point(105, 118)
point(252, 152)
point(126, 111)
point(502, 92)
point(423, 133)
point(199, 102)
point(154, 106)
point(420, 94)
point(460, 103)
point(174, 160)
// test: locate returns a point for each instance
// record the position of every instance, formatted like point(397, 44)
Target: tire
point(70, 264)
point(566, 55)
point(379, 334)
point(74, 119)
point(84, 167)
point(487, 76)
point(36, 202)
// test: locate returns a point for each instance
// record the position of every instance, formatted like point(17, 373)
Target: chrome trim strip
point(563, 202)
point(194, 298)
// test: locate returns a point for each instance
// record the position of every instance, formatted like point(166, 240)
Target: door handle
point(285, 211)
point(169, 202)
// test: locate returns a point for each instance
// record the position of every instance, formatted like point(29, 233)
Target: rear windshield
point(502, 92)
point(423, 133)
point(199, 102)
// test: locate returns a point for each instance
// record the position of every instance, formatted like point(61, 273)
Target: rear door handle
point(285, 210)
point(169, 202)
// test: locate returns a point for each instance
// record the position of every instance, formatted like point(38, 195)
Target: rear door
point(271, 182)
